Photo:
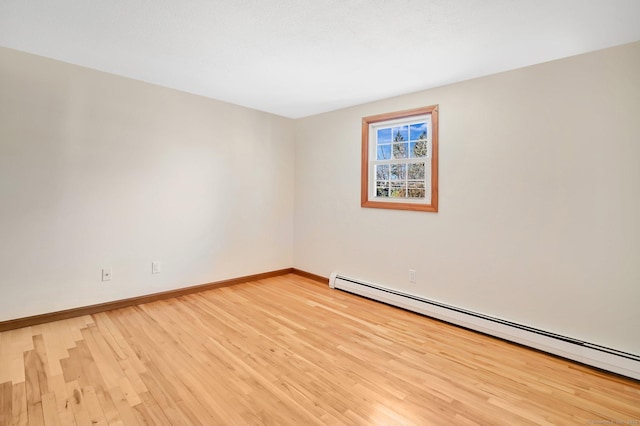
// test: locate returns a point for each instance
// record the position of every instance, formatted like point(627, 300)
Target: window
point(400, 160)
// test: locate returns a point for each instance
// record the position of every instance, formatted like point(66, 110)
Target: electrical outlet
point(106, 274)
point(412, 275)
point(156, 267)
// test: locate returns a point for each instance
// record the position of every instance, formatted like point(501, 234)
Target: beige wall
point(539, 217)
point(101, 171)
point(539, 193)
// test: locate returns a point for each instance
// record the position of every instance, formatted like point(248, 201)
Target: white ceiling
point(302, 57)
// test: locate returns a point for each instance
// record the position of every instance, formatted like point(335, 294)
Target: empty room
point(296, 212)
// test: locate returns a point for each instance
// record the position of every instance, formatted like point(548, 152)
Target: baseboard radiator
point(591, 354)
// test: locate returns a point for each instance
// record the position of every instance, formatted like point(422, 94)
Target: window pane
point(401, 133)
point(418, 131)
point(416, 189)
point(398, 171)
point(419, 148)
point(398, 190)
point(400, 150)
point(384, 135)
point(415, 193)
point(416, 171)
point(382, 189)
point(382, 172)
point(382, 192)
point(384, 152)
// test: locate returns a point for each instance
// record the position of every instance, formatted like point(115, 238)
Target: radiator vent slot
point(609, 359)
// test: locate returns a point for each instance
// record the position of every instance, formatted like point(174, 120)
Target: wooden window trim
point(366, 122)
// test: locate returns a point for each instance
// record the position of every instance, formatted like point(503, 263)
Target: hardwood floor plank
point(13, 345)
point(159, 377)
point(6, 401)
point(34, 371)
point(50, 410)
point(55, 338)
point(150, 412)
point(93, 406)
point(287, 351)
point(77, 403)
point(77, 324)
point(58, 388)
point(127, 414)
point(160, 398)
point(19, 414)
point(118, 343)
point(102, 357)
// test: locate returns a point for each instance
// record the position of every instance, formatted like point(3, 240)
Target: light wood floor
point(284, 351)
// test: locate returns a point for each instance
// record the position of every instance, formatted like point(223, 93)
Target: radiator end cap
point(332, 280)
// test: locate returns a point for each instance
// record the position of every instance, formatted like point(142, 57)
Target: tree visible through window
point(399, 160)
